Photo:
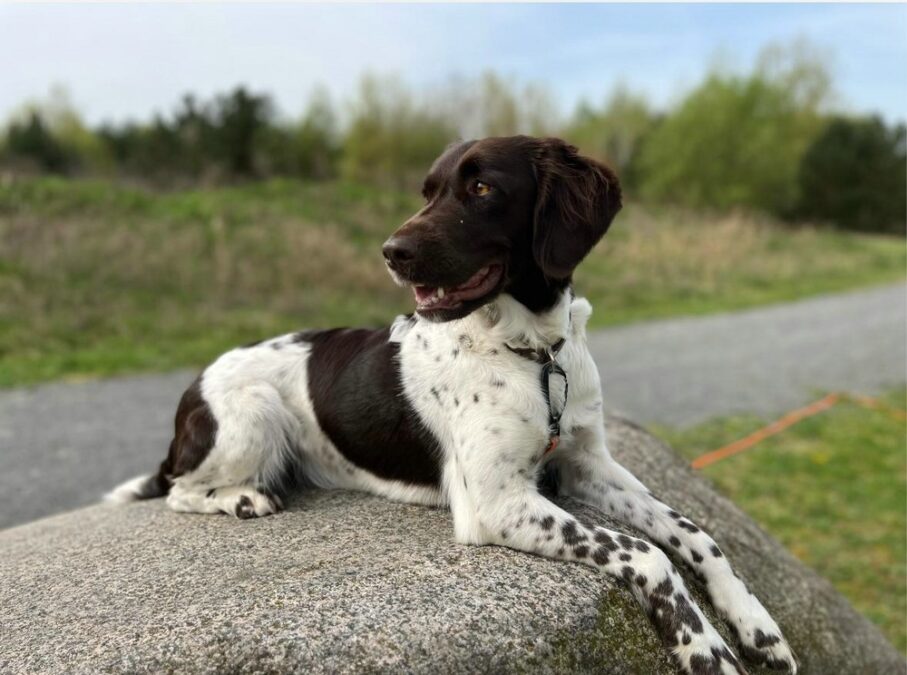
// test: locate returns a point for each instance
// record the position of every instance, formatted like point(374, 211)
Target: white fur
point(493, 448)
point(479, 439)
point(484, 405)
point(127, 492)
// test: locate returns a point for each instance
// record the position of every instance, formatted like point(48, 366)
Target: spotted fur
point(441, 409)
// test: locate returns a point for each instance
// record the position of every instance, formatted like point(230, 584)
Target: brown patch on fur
point(194, 430)
point(577, 200)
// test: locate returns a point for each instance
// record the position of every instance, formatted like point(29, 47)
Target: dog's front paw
point(708, 655)
point(768, 648)
point(758, 636)
point(760, 640)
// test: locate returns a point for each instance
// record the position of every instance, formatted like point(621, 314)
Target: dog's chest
point(466, 387)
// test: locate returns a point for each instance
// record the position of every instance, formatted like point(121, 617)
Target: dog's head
point(502, 215)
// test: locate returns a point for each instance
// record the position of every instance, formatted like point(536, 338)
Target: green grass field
point(833, 490)
point(98, 278)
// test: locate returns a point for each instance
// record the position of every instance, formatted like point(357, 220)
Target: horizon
point(130, 62)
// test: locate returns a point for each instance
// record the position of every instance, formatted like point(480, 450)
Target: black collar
point(550, 367)
point(549, 354)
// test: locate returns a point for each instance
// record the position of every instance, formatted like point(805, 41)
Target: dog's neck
point(504, 321)
point(536, 291)
point(511, 322)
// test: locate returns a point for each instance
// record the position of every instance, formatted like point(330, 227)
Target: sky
point(127, 61)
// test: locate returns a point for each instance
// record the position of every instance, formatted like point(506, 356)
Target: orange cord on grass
point(791, 418)
point(876, 404)
point(747, 442)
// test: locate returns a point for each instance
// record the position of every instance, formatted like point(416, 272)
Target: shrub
point(738, 140)
point(30, 143)
point(855, 176)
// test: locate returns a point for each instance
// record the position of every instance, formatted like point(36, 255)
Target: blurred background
point(179, 179)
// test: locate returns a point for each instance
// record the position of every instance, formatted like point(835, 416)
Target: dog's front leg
point(590, 474)
point(499, 504)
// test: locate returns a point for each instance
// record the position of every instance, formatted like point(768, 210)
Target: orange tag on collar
point(552, 444)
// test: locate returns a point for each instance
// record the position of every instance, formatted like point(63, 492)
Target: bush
point(48, 135)
point(30, 144)
point(738, 140)
point(613, 134)
point(391, 140)
point(855, 176)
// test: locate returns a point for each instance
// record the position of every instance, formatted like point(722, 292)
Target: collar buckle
point(550, 368)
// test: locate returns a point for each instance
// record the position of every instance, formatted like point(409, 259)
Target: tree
point(391, 140)
point(855, 175)
point(85, 150)
point(498, 107)
point(492, 105)
point(239, 119)
point(31, 142)
point(738, 140)
point(308, 148)
point(49, 134)
point(615, 133)
point(316, 138)
point(194, 139)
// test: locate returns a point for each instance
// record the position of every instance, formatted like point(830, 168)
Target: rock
point(345, 582)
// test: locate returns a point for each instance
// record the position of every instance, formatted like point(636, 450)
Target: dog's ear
point(576, 201)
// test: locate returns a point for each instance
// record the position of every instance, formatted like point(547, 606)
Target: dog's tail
point(140, 487)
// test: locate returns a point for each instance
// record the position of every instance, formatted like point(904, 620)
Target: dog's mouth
point(477, 286)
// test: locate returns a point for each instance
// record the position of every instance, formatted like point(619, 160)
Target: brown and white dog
point(468, 401)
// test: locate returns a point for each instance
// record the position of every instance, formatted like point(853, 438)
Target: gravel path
point(766, 361)
point(62, 445)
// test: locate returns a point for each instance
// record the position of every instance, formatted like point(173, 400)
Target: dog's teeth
point(440, 293)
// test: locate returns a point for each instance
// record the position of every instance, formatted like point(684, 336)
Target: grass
point(98, 278)
point(833, 489)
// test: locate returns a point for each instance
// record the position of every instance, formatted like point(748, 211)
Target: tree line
point(767, 140)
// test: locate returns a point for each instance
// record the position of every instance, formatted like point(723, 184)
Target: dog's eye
point(480, 189)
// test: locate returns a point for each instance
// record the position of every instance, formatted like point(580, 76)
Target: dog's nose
point(399, 250)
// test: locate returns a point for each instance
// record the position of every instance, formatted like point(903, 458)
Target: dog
point(467, 402)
